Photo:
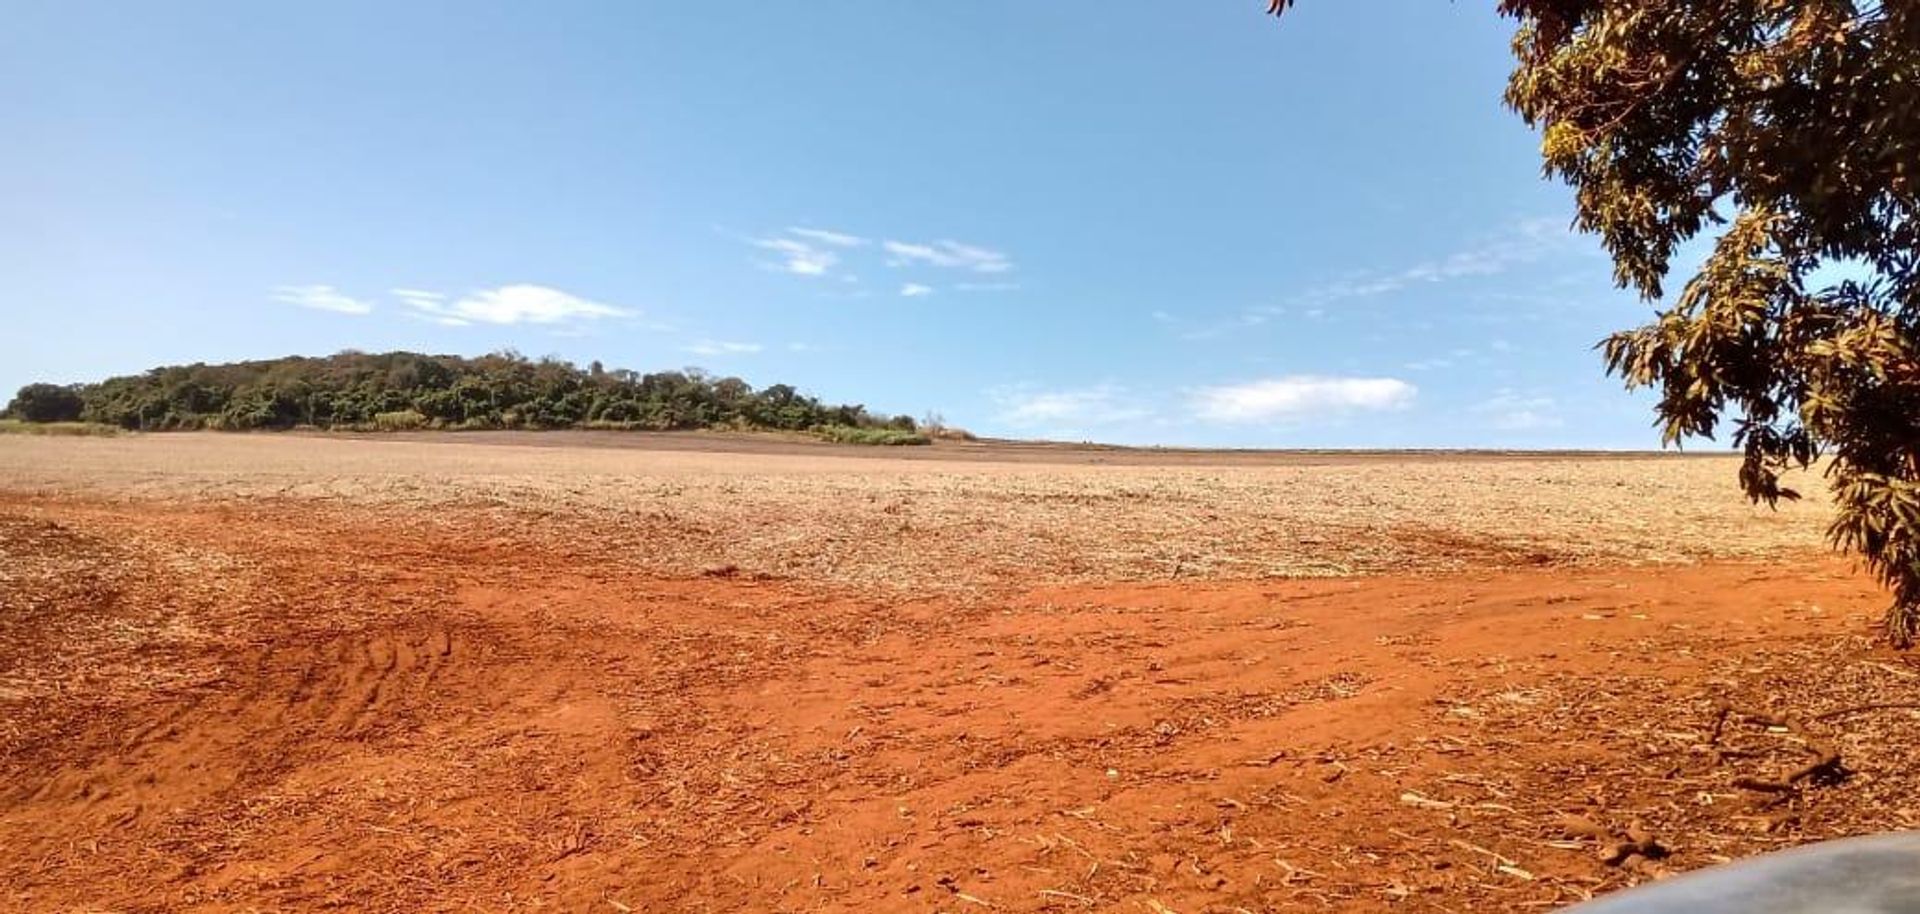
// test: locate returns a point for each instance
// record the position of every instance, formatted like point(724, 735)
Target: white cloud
point(1512, 411)
point(948, 254)
point(823, 236)
point(805, 251)
point(915, 290)
point(1298, 396)
point(1072, 408)
point(515, 304)
point(724, 347)
point(799, 257)
point(425, 305)
point(808, 251)
point(321, 298)
point(987, 286)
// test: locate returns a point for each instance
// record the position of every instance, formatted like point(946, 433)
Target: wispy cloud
point(986, 286)
point(1513, 411)
point(1453, 357)
point(806, 251)
point(1521, 242)
point(947, 254)
point(1299, 396)
point(915, 290)
point(724, 347)
point(512, 304)
point(824, 236)
point(1524, 241)
point(798, 257)
point(424, 302)
point(321, 298)
point(1023, 406)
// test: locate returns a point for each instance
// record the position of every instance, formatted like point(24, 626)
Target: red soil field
point(240, 702)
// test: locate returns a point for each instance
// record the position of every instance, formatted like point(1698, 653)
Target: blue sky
point(1136, 222)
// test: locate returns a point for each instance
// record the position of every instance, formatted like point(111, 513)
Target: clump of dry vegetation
point(18, 427)
point(883, 437)
point(935, 426)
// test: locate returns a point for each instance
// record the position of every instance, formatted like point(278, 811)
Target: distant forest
point(407, 390)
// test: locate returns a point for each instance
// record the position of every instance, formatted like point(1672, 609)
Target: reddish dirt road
point(293, 706)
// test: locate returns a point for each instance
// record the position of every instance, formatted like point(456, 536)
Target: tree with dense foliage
point(1791, 129)
point(400, 390)
point(46, 403)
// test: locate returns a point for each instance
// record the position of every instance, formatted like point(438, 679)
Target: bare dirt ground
point(280, 673)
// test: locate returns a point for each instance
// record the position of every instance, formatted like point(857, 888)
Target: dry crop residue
point(911, 527)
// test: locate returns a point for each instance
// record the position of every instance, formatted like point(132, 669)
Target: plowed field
point(280, 673)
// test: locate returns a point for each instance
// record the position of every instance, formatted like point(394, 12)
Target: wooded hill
point(400, 390)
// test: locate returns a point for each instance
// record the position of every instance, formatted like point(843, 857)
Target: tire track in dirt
point(542, 718)
point(348, 690)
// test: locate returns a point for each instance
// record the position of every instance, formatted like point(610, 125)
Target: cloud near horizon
point(1299, 396)
point(321, 298)
point(1509, 410)
point(1067, 408)
point(723, 347)
point(521, 303)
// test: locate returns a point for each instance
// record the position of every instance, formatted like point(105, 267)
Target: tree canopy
point(413, 390)
point(46, 403)
point(1789, 130)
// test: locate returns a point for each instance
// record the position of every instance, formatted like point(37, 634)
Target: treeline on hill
point(396, 391)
